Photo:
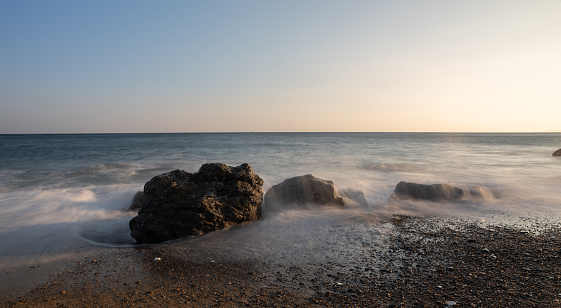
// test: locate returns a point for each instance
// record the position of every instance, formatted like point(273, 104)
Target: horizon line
point(293, 132)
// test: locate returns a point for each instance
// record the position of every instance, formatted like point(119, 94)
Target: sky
point(280, 66)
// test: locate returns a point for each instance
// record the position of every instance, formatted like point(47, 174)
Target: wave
point(51, 222)
point(90, 175)
point(393, 167)
point(50, 206)
point(96, 214)
point(103, 167)
point(112, 232)
point(109, 171)
point(122, 170)
point(8, 176)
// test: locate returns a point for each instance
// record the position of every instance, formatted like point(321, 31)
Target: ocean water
point(61, 192)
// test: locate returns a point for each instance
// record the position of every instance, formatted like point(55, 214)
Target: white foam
point(396, 167)
point(21, 208)
point(55, 221)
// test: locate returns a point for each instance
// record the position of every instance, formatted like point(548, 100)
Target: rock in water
point(305, 190)
point(136, 202)
point(557, 153)
point(352, 196)
point(179, 203)
point(438, 192)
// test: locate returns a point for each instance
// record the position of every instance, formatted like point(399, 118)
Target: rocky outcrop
point(136, 202)
point(179, 203)
point(438, 192)
point(308, 190)
point(557, 153)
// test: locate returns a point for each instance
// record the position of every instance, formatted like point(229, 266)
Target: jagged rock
point(557, 153)
point(136, 202)
point(308, 190)
point(437, 192)
point(179, 203)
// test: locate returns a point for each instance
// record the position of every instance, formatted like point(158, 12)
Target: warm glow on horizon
point(140, 66)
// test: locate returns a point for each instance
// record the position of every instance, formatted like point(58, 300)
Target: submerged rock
point(136, 202)
point(438, 192)
point(557, 153)
point(353, 196)
point(179, 203)
point(308, 190)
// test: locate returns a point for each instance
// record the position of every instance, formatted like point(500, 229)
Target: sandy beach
point(425, 262)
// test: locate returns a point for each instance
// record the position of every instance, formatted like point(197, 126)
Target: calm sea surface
point(62, 190)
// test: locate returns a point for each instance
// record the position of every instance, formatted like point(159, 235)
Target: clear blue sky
point(186, 66)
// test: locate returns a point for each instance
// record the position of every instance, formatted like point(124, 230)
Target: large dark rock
point(557, 153)
point(179, 203)
point(438, 192)
point(308, 190)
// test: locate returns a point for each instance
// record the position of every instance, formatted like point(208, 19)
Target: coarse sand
point(427, 262)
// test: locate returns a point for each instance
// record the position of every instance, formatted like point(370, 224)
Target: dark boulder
point(179, 203)
point(136, 202)
point(557, 153)
point(308, 190)
point(438, 192)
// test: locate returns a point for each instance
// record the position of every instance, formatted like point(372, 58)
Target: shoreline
point(419, 262)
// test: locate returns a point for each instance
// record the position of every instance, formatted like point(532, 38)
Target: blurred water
point(58, 191)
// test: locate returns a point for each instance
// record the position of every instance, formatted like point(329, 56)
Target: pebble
point(449, 269)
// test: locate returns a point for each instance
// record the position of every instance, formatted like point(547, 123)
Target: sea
point(62, 192)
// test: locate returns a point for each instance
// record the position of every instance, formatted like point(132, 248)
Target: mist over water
point(59, 192)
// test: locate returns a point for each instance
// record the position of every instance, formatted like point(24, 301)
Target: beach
point(280, 154)
point(64, 223)
point(428, 262)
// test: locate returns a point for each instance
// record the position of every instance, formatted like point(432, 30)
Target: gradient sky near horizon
point(316, 65)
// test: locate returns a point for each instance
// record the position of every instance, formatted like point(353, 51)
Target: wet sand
point(418, 262)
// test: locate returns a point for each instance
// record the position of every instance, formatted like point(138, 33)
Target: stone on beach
point(307, 190)
point(557, 153)
point(179, 203)
point(437, 192)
